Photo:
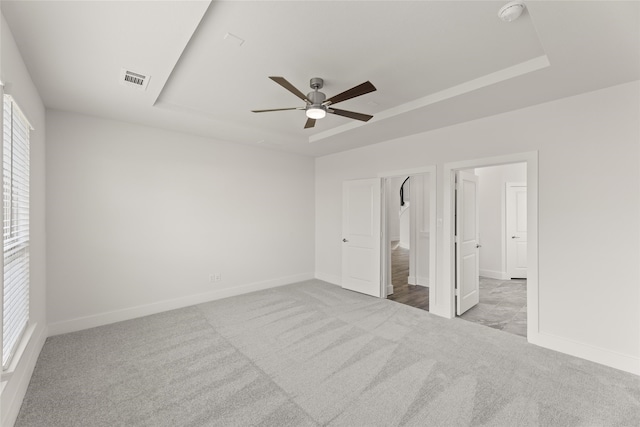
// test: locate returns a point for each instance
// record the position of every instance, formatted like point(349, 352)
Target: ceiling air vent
point(131, 78)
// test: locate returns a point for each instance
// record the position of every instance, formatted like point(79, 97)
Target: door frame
point(447, 270)
point(385, 253)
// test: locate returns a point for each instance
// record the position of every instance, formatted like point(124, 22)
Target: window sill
point(24, 342)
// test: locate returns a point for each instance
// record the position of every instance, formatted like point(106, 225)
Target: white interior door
point(361, 236)
point(516, 224)
point(467, 247)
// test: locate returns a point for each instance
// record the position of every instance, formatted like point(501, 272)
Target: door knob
point(345, 240)
point(515, 237)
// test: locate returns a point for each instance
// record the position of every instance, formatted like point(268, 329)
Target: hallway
point(503, 303)
point(413, 295)
point(503, 306)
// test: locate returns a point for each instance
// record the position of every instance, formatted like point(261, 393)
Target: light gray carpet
point(313, 354)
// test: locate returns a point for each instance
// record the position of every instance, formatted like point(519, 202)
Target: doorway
point(408, 255)
point(499, 251)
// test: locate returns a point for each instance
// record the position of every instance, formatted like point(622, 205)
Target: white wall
point(405, 226)
point(491, 213)
point(421, 229)
point(589, 210)
point(18, 84)
point(393, 207)
point(138, 219)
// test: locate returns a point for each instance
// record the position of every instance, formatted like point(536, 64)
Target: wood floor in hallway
point(403, 292)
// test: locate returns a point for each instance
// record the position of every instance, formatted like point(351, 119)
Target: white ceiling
point(434, 63)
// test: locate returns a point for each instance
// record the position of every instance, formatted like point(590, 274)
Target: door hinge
point(457, 292)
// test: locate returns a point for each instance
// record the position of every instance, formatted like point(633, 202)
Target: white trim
point(385, 242)
point(616, 360)
point(446, 277)
point(17, 106)
point(106, 318)
point(23, 343)
point(504, 74)
point(20, 381)
point(494, 274)
point(418, 281)
point(407, 172)
point(329, 278)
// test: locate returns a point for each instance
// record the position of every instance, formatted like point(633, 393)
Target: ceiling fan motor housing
point(316, 97)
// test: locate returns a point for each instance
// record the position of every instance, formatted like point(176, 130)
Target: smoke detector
point(134, 79)
point(511, 11)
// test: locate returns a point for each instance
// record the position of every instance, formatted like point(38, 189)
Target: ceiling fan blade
point(351, 114)
point(310, 123)
point(291, 88)
point(276, 109)
point(361, 89)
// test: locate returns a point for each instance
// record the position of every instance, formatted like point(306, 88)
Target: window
point(15, 191)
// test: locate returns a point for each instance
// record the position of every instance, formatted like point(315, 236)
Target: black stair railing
point(402, 191)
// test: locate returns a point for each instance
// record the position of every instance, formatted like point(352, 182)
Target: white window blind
point(15, 190)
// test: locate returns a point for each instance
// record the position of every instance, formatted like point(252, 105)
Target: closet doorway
point(408, 256)
point(499, 247)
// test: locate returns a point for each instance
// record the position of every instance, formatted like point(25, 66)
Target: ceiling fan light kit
point(511, 11)
point(317, 104)
point(315, 112)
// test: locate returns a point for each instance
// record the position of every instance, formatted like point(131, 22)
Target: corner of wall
point(329, 278)
point(17, 77)
point(493, 274)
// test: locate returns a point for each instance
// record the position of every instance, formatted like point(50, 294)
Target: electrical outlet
point(215, 277)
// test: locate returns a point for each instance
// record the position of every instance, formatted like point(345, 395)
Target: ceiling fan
point(317, 105)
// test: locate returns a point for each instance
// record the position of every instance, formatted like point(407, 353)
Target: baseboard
point(101, 319)
point(421, 281)
point(389, 290)
point(15, 388)
point(613, 359)
point(494, 274)
point(329, 278)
